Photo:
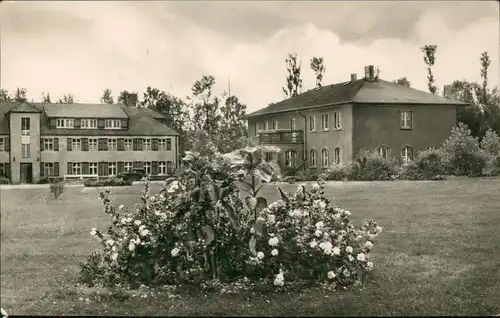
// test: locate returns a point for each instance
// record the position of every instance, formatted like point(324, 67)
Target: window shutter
point(410, 115)
point(85, 144)
point(78, 123)
point(7, 169)
point(52, 123)
point(56, 144)
point(121, 167)
point(134, 144)
point(140, 143)
point(169, 167)
point(41, 169)
point(100, 169)
point(105, 167)
point(154, 168)
point(124, 123)
point(41, 145)
point(121, 144)
point(56, 169)
point(85, 168)
point(7, 143)
point(105, 144)
point(68, 144)
point(401, 115)
point(154, 144)
point(169, 143)
point(68, 168)
point(100, 123)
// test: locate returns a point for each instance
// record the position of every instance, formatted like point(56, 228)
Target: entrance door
point(26, 173)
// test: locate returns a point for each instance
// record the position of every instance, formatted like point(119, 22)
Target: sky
point(84, 47)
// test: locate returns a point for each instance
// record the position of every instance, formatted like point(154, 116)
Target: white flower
point(278, 282)
point(174, 186)
point(175, 252)
point(261, 219)
point(157, 212)
point(271, 218)
point(327, 251)
point(273, 241)
point(252, 230)
point(347, 212)
point(144, 232)
point(379, 229)
point(131, 246)
point(315, 186)
point(336, 251)
point(129, 219)
point(124, 220)
point(110, 242)
point(351, 258)
point(313, 244)
point(152, 198)
point(320, 225)
point(348, 249)
point(114, 256)
point(274, 252)
point(280, 203)
point(121, 207)
point(93, 232)
point(331, 275)
point(325, 245)
point(322, 205)
point(113, 248)
point(318, 233)
point(137, 222)
point(346, 273)
point(260, 255)
point(368, 244)
point(361, 257)
point(369, 266)
point(142, 227)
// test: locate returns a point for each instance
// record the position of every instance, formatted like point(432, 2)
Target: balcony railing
point(282, 137)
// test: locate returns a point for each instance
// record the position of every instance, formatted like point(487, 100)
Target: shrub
point(47, 180)
point(111, 182)
point(57, 189)
point(335, 172)
point(491, 143)
point(492, 167)
point(428, 165)
point(461, 152)
point(4, 180)
point(370, 166)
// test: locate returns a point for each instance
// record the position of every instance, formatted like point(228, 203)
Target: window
point(312, 123)
point(25, 126)
point(290, 158)
point(89, 123)
point(337, 121)
point(2, 144)
point(93, 144)
point(76, 168)
point(312, 158)
point(324, 121)
point(275, 124)
point(406, 120)
point(165, 144)
point(162, 168)
point(48, 169)
point(113, 124)
point(325, 157)
point(169, 144)
point(93, 168)
point(112, 144)
point(112, 168)
point(128, 166)
point(147, 167)
point(76, 144)
point(293, 124)
point(256, 127)
point(128, 144)
point(25, 149)
point(65, 123)
point(269, 156)
point(48, 144)
point(406, 155)
point(383, 152)
point(266, 125)
point(336, 156)
point(146, 145)
point(2, 170)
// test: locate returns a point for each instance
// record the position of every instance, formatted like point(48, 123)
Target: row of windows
point(4, 169)
point(51, 169)
point(406, 122)
point(88, 123)
point(109, 144)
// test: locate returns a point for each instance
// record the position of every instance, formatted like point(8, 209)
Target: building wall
point(15, 145)
point(379, 125)
point(4, 155)
point(63, 155)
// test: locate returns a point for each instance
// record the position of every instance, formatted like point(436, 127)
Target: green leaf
point(261, 204)
point(231, 215)
point(251, 202)
point(265, 171)
point(258, 189)
point(208, 234)
point(283, 195)
point(252, 244)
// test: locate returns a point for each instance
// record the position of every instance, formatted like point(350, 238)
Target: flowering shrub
point(427, 166)
point(303, 237)
point(335, 172)
point(491, 143)
point(371, 166)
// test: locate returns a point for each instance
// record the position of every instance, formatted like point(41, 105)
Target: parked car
point(134, 175)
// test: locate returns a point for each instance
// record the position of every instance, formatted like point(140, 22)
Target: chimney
point(131, 99)
point(354, 77)
point(370, 73)
point(447, 91)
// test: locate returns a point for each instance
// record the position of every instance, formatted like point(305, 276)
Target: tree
point(20, 95)
point(205, 106)
point(429, 59)
point(67, 99)
point(485, 64)
point(317, 65)
point(122, 97)
point(106, 97)
point(233, 130)
point(4, 96)
point(46, 98)
point(293, 80)
point(403, 81)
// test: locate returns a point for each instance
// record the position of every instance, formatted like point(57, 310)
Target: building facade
point(332, 124)
point(83, 141)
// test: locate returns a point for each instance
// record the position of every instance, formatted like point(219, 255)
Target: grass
point(439, 254)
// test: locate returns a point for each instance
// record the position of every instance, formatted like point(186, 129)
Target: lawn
point(439, 254)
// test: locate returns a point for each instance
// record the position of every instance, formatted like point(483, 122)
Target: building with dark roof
point(331, 124)
point(83, 140)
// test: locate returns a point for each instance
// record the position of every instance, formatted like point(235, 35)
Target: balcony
point(281, 137)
